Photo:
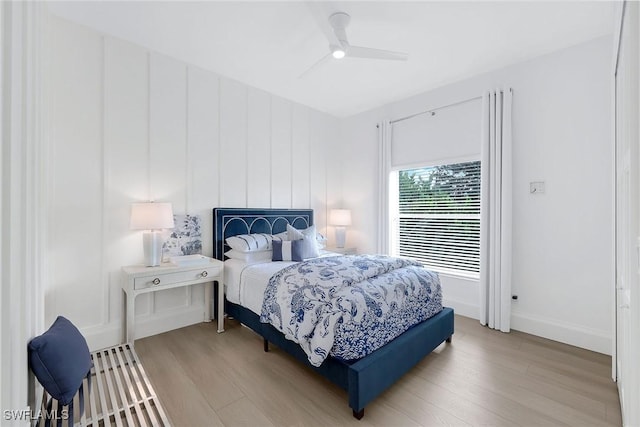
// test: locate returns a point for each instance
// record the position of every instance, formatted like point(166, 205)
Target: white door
point(627, 96)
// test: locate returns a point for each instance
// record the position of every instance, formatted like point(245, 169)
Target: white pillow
point(322, 241)
point(294, 233)
point(284, 236)
point(249, 257)
point(310, 249)
point(252, 242)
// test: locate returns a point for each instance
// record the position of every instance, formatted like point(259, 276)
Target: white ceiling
point(269, 44)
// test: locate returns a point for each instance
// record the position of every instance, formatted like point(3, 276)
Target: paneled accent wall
point(126, 125)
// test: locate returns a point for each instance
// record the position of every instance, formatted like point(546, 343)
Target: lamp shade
point(151, 216)
point(340, 217)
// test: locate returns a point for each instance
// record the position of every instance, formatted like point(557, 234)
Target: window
point(439, 217)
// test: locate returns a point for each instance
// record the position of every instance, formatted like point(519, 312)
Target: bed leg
point(449, 339)
point(266, 345)
point(358, 415)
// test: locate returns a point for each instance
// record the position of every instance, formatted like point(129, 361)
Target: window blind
point(439, 217)
point(452, 133)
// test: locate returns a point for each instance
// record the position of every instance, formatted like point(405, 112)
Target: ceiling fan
point(340, 48)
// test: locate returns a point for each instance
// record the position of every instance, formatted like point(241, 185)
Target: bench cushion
point(60, 359)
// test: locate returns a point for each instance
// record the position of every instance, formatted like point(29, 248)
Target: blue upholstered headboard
point(229, 222)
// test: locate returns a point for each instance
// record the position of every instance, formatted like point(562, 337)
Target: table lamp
point(152, 217)
point(340, 218)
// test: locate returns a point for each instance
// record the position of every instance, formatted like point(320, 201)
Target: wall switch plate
point(536, 187)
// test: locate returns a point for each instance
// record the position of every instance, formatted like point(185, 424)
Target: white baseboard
point(579, 336)
point(462, 308)
point(103, 336)
point(164, 322)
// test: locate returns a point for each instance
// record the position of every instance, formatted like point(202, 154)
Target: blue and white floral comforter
point(349, 306)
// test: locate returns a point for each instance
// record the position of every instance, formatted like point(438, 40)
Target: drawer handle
point(204, 273)
point(156, 281)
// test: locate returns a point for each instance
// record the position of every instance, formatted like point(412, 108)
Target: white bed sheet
point(245, 283)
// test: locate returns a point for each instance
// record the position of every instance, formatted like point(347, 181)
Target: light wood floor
point(482, 378)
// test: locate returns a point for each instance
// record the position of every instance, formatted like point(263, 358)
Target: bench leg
point(266, 345)
point(449, 339)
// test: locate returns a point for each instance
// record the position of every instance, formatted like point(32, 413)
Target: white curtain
point(22, 197)
point(495, 218)
point(384, 168)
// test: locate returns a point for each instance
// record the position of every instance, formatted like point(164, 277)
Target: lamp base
point(152, 244)
point(341, 236)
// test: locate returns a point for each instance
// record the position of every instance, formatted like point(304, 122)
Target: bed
point(363, 379)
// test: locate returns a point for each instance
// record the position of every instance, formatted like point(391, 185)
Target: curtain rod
point(432, 110)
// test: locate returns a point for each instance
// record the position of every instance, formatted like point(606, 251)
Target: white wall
point(129, 125)
point(562, 265)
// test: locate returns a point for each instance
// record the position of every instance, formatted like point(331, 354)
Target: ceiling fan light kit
point(340, 48)
point(337, 52)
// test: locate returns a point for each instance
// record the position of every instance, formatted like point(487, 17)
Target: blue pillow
point(288, 250)
point(60, 359)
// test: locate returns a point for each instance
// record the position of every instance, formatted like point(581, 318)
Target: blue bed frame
point(363, 379)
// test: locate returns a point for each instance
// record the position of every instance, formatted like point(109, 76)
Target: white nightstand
point(140, 280)
point(343, 251)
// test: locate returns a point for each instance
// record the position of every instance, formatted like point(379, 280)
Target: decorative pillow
point(294, 234)
point(249, 257)
point(309, 236)
point(251, 242)
point(322, 241)
point(288, 250)
point(284, 236)
point(311, 249)
point(60, 359)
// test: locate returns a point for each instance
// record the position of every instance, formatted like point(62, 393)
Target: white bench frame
point(120, 394)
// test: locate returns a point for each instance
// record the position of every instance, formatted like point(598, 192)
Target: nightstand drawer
point(164, 279)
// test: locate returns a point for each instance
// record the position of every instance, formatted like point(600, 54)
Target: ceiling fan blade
point(339, 22)
point(319, 11)
point(325, 59)
point(370, 53)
